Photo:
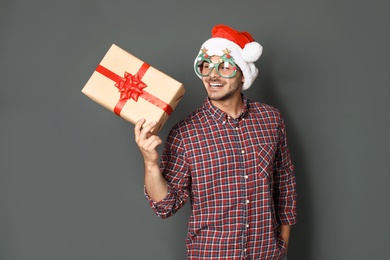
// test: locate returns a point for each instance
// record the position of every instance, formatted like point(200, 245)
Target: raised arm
point(155, 184)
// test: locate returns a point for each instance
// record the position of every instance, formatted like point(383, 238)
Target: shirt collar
point(221, 116)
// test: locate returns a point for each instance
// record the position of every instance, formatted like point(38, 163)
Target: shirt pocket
point(265, 160)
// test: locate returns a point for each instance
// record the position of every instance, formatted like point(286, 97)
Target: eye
point(224, 67)
point(205, 65)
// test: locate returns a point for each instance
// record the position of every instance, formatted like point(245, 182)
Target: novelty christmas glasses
point(225, 67)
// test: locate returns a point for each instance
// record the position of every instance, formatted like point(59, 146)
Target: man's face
point(219, 88)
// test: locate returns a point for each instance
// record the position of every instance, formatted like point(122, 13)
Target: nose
point(213, 72)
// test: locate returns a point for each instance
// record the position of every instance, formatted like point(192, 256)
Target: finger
point(152, 142)
point(137, 128)
point(145, 132)
point(149, 147)
point(156, 142)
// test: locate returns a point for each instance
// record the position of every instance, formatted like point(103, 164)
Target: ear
point(242, 78)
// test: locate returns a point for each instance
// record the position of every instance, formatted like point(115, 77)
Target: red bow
point(130, 87)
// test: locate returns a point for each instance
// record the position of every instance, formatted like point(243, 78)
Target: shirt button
point(236, 128)
point(242, 151)
point(247, 201)
point(224, 122)
point(246, 176)
point(245, 250)
point(247, 225)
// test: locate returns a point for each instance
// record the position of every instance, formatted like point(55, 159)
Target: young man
point(229, 158)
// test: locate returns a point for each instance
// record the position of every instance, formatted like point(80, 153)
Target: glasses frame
point(203, 57)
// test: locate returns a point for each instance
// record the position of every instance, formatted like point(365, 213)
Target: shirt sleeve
point(175, 170)
point(285, 194)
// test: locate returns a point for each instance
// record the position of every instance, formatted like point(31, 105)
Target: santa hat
point(243, 48)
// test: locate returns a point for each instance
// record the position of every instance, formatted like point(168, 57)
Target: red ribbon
point(131, 87)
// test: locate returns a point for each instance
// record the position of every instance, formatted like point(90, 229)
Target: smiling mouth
point(216, 85)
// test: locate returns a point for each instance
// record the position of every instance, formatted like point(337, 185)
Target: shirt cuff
point(288, 219)
point(162, 208)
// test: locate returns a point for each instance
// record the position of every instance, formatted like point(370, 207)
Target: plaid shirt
point(239, 178)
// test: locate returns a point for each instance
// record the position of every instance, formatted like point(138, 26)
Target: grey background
point(71, 177)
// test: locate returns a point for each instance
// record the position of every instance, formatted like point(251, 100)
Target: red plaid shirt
point(239, 178)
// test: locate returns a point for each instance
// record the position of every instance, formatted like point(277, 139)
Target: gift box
point(133, 89)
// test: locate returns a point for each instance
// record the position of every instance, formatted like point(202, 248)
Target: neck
point(232, 106)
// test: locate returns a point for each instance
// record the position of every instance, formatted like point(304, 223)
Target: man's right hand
point(147, 142)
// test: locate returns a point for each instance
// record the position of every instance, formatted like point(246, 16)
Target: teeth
point(216, 85)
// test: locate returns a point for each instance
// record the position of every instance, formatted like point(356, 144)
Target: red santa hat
point(243, 48)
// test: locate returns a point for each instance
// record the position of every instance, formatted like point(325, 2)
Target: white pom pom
point(252, 52)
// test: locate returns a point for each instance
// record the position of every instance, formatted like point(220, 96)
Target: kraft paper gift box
point(133, 89)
